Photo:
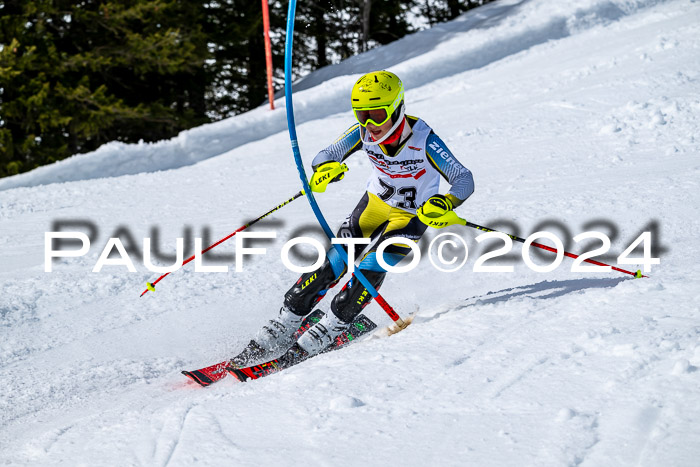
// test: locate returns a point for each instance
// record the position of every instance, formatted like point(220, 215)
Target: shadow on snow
point(540, 291)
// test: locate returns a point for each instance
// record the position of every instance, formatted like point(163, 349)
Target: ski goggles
point(377, 116)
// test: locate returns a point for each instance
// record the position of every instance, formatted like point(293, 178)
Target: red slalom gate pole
point(152, 285)
point(268, 53)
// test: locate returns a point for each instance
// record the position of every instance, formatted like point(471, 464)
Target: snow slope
point(583, 114)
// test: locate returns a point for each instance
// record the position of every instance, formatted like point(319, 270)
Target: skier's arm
point(458, 176)
point(348, 143)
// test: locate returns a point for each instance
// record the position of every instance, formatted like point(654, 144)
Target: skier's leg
point(353, 297)
point(346, 305)
point(309, 289)
point(367, 219)
point(278, 334)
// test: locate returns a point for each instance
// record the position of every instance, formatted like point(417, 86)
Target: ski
point(211, 374)
point(216, 372)
point(208, 375)
point(359, 327)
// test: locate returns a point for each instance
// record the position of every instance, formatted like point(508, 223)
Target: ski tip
point(202, 382)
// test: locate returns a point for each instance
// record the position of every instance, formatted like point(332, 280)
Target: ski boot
point(344, 309)
point(275, 337)
point(279, 334)
point(321, 335)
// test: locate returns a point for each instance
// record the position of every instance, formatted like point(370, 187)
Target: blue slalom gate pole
point(302, 173)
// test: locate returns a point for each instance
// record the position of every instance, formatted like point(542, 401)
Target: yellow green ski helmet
point(377, 97)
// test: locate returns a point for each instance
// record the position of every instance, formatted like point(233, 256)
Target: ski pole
point(452, 218)
point(152, 285)
point(331, 175)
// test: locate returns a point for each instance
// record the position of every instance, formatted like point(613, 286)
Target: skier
point(408, 159)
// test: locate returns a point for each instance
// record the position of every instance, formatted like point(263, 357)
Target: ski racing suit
point(402, 179)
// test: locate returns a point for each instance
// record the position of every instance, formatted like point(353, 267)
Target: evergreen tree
point(388, 20)
point(76, 75)
point(438, 11)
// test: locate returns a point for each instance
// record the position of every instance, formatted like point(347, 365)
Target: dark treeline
point(76, 74)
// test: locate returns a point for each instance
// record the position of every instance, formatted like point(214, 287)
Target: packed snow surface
point(572, 115)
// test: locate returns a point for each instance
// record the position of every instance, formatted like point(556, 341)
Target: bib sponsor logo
point(402, 167)
point(439, 151)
